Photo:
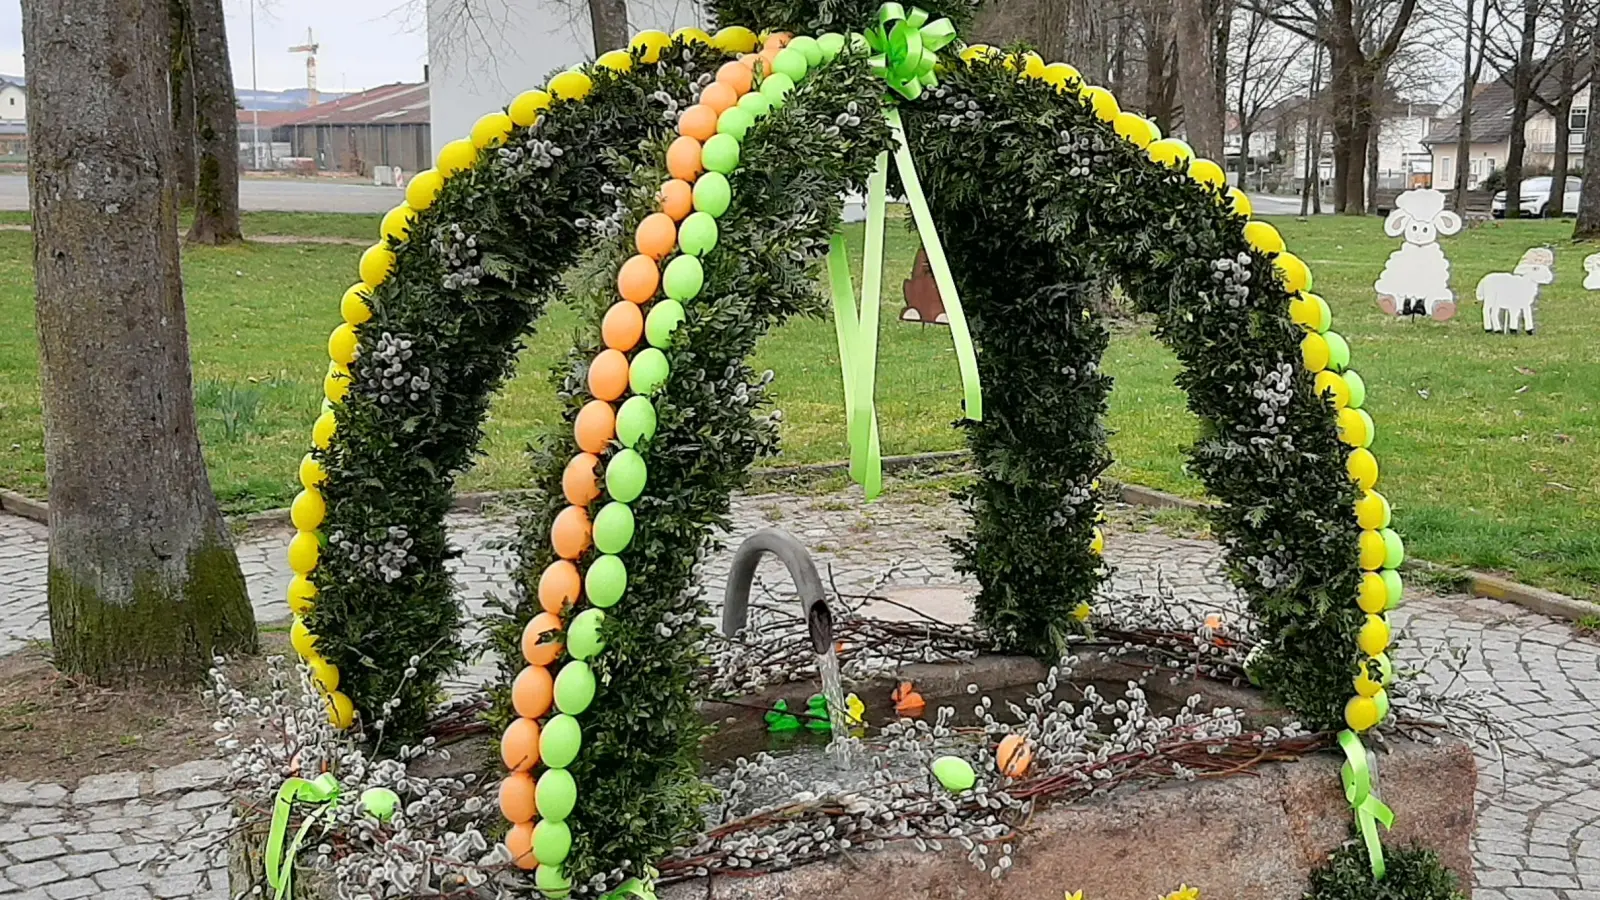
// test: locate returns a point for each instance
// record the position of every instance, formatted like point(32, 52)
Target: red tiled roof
point(392, 104)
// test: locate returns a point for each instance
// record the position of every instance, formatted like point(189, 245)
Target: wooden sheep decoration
point(1591, 268)
point(1508, 297)
point(1416, 280)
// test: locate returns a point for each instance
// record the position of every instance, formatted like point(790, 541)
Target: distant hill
point(295, 98)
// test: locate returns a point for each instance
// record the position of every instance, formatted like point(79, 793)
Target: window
point(1579, 121)
point(1445, 163)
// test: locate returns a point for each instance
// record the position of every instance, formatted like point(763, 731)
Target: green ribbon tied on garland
point(905, 47)
point(323, 789)
point(1356, 773)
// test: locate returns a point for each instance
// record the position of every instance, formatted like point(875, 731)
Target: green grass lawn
point(1488, 443)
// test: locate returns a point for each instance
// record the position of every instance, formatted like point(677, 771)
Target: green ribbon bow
point(906, 47)
point(280, 865)
point(1356, 773)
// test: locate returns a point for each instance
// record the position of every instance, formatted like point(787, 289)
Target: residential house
point(13, 117)
point(1404, 159)
point(1490, 147)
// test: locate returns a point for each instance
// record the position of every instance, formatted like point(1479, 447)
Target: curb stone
point(1478, 584)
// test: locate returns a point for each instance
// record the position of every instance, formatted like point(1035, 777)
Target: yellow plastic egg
point(456, 156)
point(324, 674)
point(303, 552)
point(342, 345)
point(1374, 636)
point(1171, 152)
point(734, 39)
point(1208, 173)
point(322, 430)
point(615, 60)
point(377, 262)
point(1373, 595)
point(310, 472)
point(649, 44)
point(397, 222)
point(1372, 550)
point(974, 52)
point(491, 131)
point(1355, 427)
point(1314, 352)
point(308, 510)
point(1263, 237)
point(1361, 713)
point(341, 712)
point(423, 188)
point(1362, 467)
point(1296, 274)
point(301, 639)
point(692, 36)
point(1241, 203)
point(354, 307)
point(525, 109)
point(1098, 545)
point(1061, 75)
point(1033, 65)
point(1138, 130)
point(336, 383)
point(302, 594)
point(1373, 512)
point(1330, 383)
point(1103, 102)
point(571, 85)
point(1364, 684)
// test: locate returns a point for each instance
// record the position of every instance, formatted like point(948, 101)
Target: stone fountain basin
point(1255, 836)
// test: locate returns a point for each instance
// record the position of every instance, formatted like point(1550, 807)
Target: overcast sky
point(364, 42)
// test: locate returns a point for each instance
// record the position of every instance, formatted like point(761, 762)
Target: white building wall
point(13, 103)
point(511, 46)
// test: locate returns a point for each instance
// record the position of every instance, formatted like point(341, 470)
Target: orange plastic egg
point(683, 159)
point(623, 325)
point(638, 279)
point(718, 96)
point(516, 797)
point(519, 843)
point(767, 57)
point(535, 650)
point(749, 60)
point(656, 235)
point(737, 76)
point(596, 426)
point(519, 746)
point(1013, 756)
point(608, 375)
point(698, 121)
point(559, 583)
point(677, 199)
point(569, 534)
point(579, 484)
point(776, 41)
point(532, 692)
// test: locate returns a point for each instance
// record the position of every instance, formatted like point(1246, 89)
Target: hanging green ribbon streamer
point(1356, 774)
point(905, 47)
point(280, 865)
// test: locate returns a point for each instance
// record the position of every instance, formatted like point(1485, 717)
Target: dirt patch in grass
point(55, 728)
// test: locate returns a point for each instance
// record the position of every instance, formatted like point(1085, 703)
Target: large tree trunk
point(216, 195)
point(180, 87)
point(1588, 226)
point(143, 580)
point(1469, 79)
point(1521, 96)
point(1195, 31)
point(608, 19)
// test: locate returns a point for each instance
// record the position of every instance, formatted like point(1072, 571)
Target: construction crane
point(309, 48)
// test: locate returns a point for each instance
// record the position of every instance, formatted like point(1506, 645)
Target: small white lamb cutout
point(1508, 297)
point(1416, 280)
point(1591, 281)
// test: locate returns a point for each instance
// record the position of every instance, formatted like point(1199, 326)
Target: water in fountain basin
point(842, 747)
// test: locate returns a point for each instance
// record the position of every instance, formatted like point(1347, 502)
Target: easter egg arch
point(686, 196)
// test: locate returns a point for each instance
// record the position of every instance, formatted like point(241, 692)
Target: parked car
point(1536, 197)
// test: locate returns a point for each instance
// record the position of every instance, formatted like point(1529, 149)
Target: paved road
point(1538, 834)
point(259, 194)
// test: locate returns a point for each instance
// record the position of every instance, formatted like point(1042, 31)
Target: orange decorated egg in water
point(519, 746)
point(532, 692)
point(516, 797)
point(1013, 756)
point(535, 649)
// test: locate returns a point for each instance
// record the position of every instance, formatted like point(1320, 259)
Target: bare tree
point(143, 579)
point(1194, 31)
point(1588, 226)
point(180, 85)
point(1311, 189)
point(1569, 54)
point(1263, 71)
point(216, 127)
point(1522, 83)
point(1471, 70)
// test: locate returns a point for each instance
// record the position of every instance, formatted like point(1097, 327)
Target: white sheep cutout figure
point(1416, 280)
point(1591, 268)
point(1508, 297)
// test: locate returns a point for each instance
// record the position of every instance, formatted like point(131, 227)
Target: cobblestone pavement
point(1538, 833)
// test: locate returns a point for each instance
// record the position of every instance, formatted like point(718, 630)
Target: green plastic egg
point(1338, 351)
point(683, 278)
point(712, 194)
point(664, 319)
point(552, 841)
point(1394, 549)
point(809, 48)
point(636, 420)
point(555, 794)
point(776, 87)
point(1381, 698)
point(830, 44)
point(613, 528)
point(559, 743)
point(605, 581)
point(697, 234)
point(720, 153)
point(791, 62)
point(734, 121)
point(954, 773)
point(756, 104)
point(1391, 580)
point(552, 881)
point(625, 476)
point(583, 636)
point(648, 371)
point(1358, 389)
point(574, 689)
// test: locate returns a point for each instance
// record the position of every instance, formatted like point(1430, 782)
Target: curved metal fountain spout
point(795, 557)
